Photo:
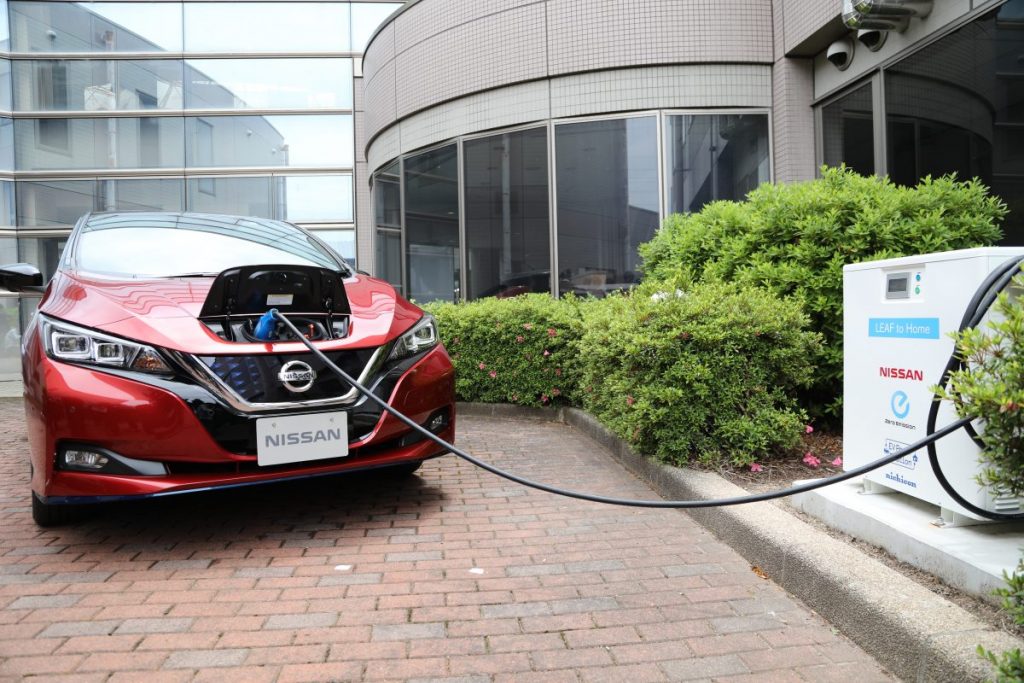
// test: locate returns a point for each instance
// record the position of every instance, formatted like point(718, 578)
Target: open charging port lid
point(252, 290)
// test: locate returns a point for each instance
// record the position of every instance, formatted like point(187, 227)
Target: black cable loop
point(986, 294)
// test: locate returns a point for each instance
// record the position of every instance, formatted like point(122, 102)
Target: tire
point(52, 515)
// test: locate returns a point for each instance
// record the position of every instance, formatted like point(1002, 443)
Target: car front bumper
point(182, 426)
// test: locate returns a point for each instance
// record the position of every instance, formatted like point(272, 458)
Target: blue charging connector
point(266, 326)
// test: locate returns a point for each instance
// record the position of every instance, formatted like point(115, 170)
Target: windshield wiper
point(181, 275)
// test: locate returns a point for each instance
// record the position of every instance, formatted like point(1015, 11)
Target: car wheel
point(403, 469)
point(52, 515)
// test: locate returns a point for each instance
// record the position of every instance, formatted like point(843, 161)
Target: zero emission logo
point(900, 404)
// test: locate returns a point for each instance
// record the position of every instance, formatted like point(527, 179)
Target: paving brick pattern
point(453, 575)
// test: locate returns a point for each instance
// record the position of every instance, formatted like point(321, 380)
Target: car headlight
point(70, 343)
point(421, 337)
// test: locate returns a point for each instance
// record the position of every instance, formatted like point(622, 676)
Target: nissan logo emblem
point(297, 376)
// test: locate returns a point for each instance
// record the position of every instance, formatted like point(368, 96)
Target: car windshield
point(176, 245)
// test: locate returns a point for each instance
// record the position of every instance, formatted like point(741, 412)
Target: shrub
point(708, 374)
point(795, 239)
point(515, 350)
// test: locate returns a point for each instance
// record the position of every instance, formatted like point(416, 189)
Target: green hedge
point(795, 238)
point(511, 350)
point(708, 375)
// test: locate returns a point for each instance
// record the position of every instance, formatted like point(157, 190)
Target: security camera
point(840, 53)
point(872, 39)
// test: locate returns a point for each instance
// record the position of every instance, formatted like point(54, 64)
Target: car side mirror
point(19, 276)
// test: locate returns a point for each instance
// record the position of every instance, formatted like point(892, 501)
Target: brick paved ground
point(453, 575)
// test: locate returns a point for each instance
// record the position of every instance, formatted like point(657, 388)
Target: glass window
point(96, 26)
point(267, 27)
point(432, 225)
point(712, 157)
point(60, 203)
point(5, 33)
point(313, 199)
point(269, 83)
point(343, 242)
point(53, 144)
point(234, 196)
point(97, 85)
point(7, 204)
point(366, 17)
point(387, 197)
point(42, 252)
point(275, 141)
point(508, 243)
point(607, 180)
point(848, 131)
point(5, 81)
point(6, 144)
point(389, 257)
point(957, 106)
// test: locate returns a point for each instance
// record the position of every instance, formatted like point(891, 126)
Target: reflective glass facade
point(954, 106)
point(558, 207)
point(227, 107)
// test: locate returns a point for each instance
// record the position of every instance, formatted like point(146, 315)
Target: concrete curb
point(916, 634)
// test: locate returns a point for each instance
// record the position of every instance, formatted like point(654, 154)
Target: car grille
point(254, 378)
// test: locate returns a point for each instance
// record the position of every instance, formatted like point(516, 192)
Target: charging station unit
point(897, 318)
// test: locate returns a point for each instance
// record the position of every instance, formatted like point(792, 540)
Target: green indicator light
point(917, 290)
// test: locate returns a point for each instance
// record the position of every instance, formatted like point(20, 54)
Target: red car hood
point(163, 313)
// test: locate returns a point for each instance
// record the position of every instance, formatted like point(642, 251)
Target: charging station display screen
point(897, 286)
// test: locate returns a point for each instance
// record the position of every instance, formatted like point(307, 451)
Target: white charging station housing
point(897, 318)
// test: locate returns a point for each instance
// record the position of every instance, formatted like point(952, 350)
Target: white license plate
point(301, 438)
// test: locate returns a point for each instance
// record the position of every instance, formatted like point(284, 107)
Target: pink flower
point(755, 467)
point(546, 353)
point(544, 398)
point(493, 374)
point(482, 366)
point(556, 392)
point(455, 341)
point(558, 372)
point(520, 339)
point(811, 460)
point(527, 326)
point(552, 332)
point(838, 462)
point(630, 400)
point(515, 398)
point(808, 429)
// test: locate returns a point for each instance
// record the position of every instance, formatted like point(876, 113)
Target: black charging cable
point(629, 502)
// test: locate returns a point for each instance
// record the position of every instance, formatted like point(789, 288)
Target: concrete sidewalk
point(450, 575)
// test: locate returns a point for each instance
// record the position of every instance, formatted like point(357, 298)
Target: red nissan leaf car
point(151, 367)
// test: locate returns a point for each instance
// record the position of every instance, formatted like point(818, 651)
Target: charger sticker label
point(280, 299)
point(904, 328)
point(892, 447)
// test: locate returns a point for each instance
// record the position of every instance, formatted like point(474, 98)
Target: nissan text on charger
point(145, 373)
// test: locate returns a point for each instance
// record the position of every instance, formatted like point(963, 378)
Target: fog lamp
point(89, 461)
